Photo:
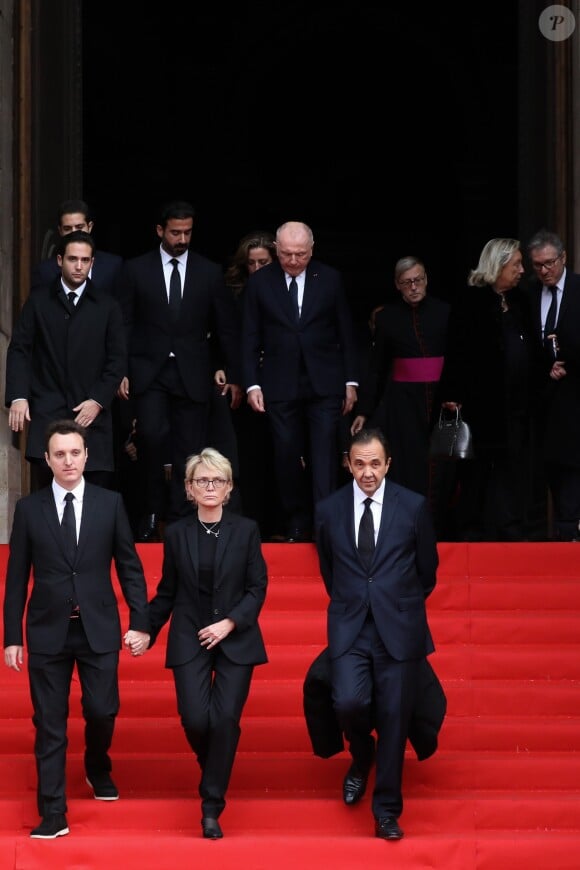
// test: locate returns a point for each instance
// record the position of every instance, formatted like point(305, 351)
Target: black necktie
point(71, 299)
point(366, 533)
point(175, 289)
point(552, 311)
point(69, 525)
point(293, 288)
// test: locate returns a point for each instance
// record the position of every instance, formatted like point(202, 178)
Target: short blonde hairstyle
point(213, 459)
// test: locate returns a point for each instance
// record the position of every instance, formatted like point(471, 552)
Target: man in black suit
point(65, 536)
point(378, 559)
point(554, 299)
point(175, 304)
point(74, 215)
point(300, 367)
point(66, 359)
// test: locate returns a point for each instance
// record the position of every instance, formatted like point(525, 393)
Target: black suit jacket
point(56, 360)
point(403, 572)
point(240, 582)
point(557, 404)
point(274, 344)
point(37, 545)
point(323, 728)
point(207, 312)
point(105, 273)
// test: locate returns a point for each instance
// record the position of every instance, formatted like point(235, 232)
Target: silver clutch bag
point(451, 437)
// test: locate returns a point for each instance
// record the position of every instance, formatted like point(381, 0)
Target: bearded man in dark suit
point(175, 305)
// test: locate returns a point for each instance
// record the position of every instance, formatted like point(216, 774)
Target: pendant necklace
point(210, 530)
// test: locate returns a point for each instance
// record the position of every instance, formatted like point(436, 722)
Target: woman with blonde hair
point(213, 586)
point(487, 373)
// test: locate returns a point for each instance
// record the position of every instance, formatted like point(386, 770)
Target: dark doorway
point(390, 128)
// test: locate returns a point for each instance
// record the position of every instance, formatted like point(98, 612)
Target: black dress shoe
point(211, 829)
point(147, 530)
point(387, 828)
point(353, 786)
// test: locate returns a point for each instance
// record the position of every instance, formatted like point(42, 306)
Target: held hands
point(136, 641)
point(211, 635)
point(558, 370)
point(13, 657)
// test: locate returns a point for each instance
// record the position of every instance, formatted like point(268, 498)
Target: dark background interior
point(391, 129)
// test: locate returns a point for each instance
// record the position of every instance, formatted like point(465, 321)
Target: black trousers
point(50, 680)
point(211, 692)
point(305, 436)
point(170, 427)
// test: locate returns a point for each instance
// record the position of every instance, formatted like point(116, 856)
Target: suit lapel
point(192, 545)
point(51, 515)
point(390, 499)
point(89, 510)
point(282, 290)
point(222, 546)
point(311, 292)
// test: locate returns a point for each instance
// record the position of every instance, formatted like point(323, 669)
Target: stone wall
point(9, 455)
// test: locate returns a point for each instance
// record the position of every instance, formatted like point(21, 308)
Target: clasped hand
point(136, 641)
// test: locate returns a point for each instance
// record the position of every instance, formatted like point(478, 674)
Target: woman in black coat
point(487, 372)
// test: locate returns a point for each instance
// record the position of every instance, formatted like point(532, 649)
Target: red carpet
point(502, 791)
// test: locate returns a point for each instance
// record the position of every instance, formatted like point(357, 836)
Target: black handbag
point(451, 437)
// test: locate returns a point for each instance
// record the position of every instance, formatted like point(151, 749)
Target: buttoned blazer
point(395, 586)
point(105, 273)
point(56, 360)
point(240, 581)
point(558, 402)
point(207, 314)
point(38, 553)
point(274, 344)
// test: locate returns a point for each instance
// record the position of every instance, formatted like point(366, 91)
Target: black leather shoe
point(147, 531)
point(211, 829)
point(388, 828)
point(353, 786)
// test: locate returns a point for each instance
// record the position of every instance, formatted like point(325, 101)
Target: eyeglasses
point(547, 264)
point(409, 282)
point(204, 482)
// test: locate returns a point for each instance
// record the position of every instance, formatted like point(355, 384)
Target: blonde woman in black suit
point(213, 586)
